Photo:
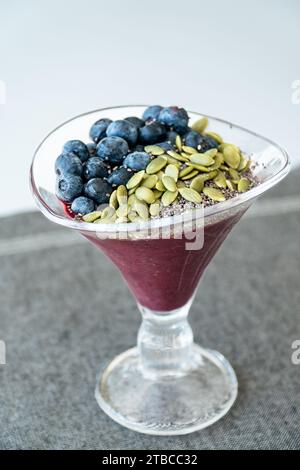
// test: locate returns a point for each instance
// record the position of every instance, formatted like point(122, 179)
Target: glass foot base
point(168, 405)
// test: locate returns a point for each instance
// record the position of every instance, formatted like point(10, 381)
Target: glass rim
point(164, 221)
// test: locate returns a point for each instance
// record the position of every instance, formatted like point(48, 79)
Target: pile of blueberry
point(88, 173)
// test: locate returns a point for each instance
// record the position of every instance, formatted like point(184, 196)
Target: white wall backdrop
point(235, 59)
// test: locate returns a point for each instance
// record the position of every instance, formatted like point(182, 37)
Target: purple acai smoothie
point(161, 273)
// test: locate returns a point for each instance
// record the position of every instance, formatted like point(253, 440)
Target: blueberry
point(98, 129)
point(171, 137)
point(77, 147)
point(95, 168)
point(68, 163)
point(174, 117)
point(119, 176)
point(192, 139)
point(83, 205)
point(208, 143)
point(166, 146)
point(112, 149)
point(137, 122)
point(92, 147)
point(152, 133)
point(152, 113)
point(124, 129)
point(68, 187)
point(98, 190)
point(137, 161)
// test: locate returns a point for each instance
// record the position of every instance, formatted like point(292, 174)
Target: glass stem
point(165, 342)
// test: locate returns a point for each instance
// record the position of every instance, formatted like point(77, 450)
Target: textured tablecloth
point(65, 310)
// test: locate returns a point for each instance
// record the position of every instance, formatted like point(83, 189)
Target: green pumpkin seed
point(178, 142)
point(106, 220)
point(211, 152)
point(213, 167)
point(197, 184)
point(92, 216)
point(180, 184)
point(142, 210)
point(150, 181)
point(157, 194)
point(172, 153)
point(136, 179)
point(210, 176)
point(168, 197)
point(172, 170)
point(107, 217)
point(203, 176)
point(190, 175)
point(122, 194)
point(112, 218)
point(234, 175)
point(122, 211)
point(176, 156)
point(215, 136)
point(220, 180)
point(202, 168)
point(113, 200)
point(243, 163)
point(231, 156)
point(243, 185)
point(131, 191)
point(188, 150)
point(214, 194)
point(169, 183)
point(108, 212)
point(154, 150)
point(200, 125)
point(121, 220)
point(230, 185)
point(173, 161)
point(247, 165)
point(145, 194)
point(154, 208)
point(227, 144)
point(160, 186)
point(132, 199)
point(201, 159)
point(155, 165)
point(185, 171)
point(132, 215)
point(220, 158)
point(190, 195)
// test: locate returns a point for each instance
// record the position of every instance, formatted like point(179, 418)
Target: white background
point(234, 59)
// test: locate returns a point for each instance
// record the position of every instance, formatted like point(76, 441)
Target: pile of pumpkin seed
point(180, 177)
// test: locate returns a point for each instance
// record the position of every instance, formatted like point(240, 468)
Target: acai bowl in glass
point(167, 384)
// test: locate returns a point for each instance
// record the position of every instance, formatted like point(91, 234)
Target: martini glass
point(167, 385)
